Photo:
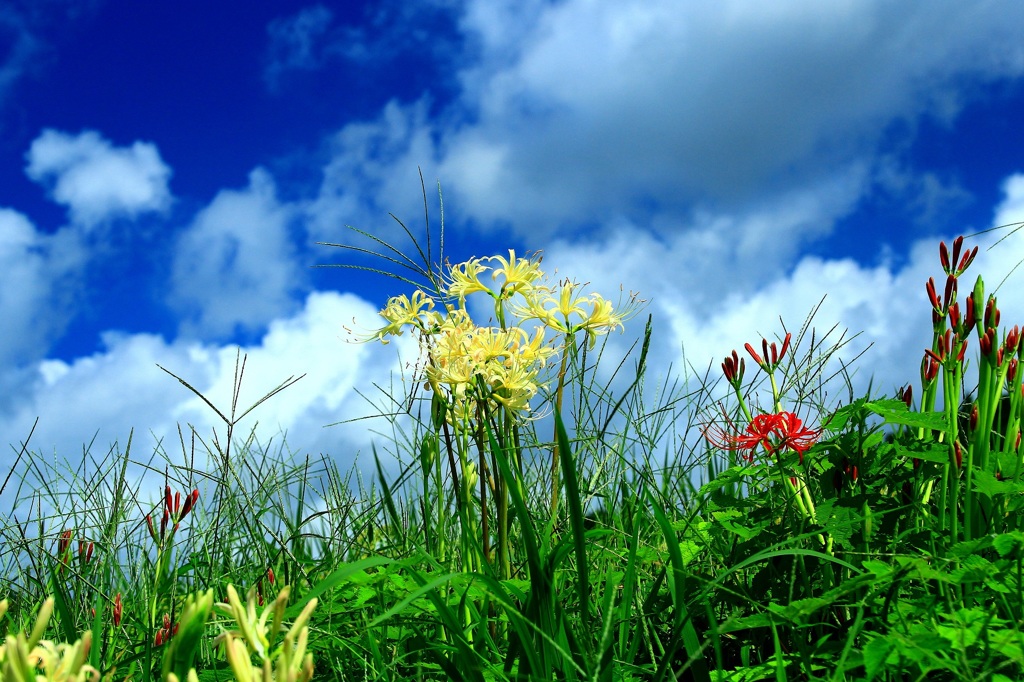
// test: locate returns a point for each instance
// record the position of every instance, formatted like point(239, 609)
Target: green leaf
point(1006, 543)
point(726, 519)
point(987, 484)
point(340, 575)
point(896, 412)
point(876, 654)
point(181, 652)
point(926, 451)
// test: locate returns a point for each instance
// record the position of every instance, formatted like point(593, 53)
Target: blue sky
point(166, 169)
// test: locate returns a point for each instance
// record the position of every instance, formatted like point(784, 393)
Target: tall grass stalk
point(665, 530)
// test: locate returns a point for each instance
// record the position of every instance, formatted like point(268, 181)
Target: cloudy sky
point(166, 170)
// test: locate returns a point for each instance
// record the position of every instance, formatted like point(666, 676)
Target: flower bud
point(1012, 339)
point(966, 261)
point(187, 634)
point(906, 394)
point(933, 297)
point(950, 293)
point(991, 313)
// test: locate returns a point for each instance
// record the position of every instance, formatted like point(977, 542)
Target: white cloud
point(38, 288)
point(645, 108)
point(235, 267)
point(373, 172)
point(706, 302)
point(120, 388)
point(96, 180)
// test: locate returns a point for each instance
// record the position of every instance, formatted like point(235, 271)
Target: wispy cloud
point(297, 42)
point(22, 47)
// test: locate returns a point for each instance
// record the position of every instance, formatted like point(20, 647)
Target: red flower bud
point(944, 255)
point(118, 609)
point(785, 347)
point(963, 350)
point(906, 394)
point(190, 502)
point(1012, 339)
point(270, 575)
point(933, 297)
point(969, 318)
point(769, 361)
point(966, 261)
point(85, 551)
point(168, 500)
point(929, 367)
point(991, 313)
point(950, 293)
point(63, 544)
point(754, 355)
point(959, 454)
point(987, 342)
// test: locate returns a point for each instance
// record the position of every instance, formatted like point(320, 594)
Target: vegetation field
point(557, 513)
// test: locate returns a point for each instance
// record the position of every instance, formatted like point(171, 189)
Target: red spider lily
point(164, 634)
point(770, 362)
point(776, 432)
point(733, 369)
point(952, 267)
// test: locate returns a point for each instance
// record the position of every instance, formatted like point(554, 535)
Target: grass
point(573, 520)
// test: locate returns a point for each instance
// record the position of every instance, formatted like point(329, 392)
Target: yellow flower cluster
point(257, 635)
point(33, 659)
point(506, 361)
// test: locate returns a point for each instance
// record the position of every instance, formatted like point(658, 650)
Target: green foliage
point(627, 533)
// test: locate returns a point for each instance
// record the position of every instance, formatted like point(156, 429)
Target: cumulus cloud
point(96, 180)
point(235, 267)
point(639, 109)
point(99, 396)
point(709, 305)
point(38, 277)
point(373, 172)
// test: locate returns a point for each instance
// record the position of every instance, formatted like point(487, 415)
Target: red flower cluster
point(174, 512)
point(164, 634)
point(776, 432)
